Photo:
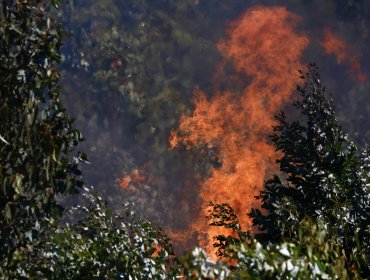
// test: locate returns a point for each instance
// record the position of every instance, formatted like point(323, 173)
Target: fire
point(233, 125)
point(137, 178)
point(266, 51)
point(157, 250)
point(333, 44)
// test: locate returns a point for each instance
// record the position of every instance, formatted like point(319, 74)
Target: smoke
point(266, 50)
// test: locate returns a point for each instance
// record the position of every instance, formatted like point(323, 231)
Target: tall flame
point(266, 50)
point(333, 44)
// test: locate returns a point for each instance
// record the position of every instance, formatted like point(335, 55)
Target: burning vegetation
point(265, 49)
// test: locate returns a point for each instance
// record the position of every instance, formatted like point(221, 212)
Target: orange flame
point(266, 50)
point(333, 44)
point(157, 249)
point(138, 177)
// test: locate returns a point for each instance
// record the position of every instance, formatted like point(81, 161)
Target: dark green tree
point(36, 135)
point(323, 178)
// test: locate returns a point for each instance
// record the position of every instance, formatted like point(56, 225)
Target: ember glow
point(344, 52)
point(266, 49)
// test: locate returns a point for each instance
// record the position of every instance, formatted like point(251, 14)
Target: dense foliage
point(36, 136)
point(312, 255)
point(106, 245)
point(317, 221)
